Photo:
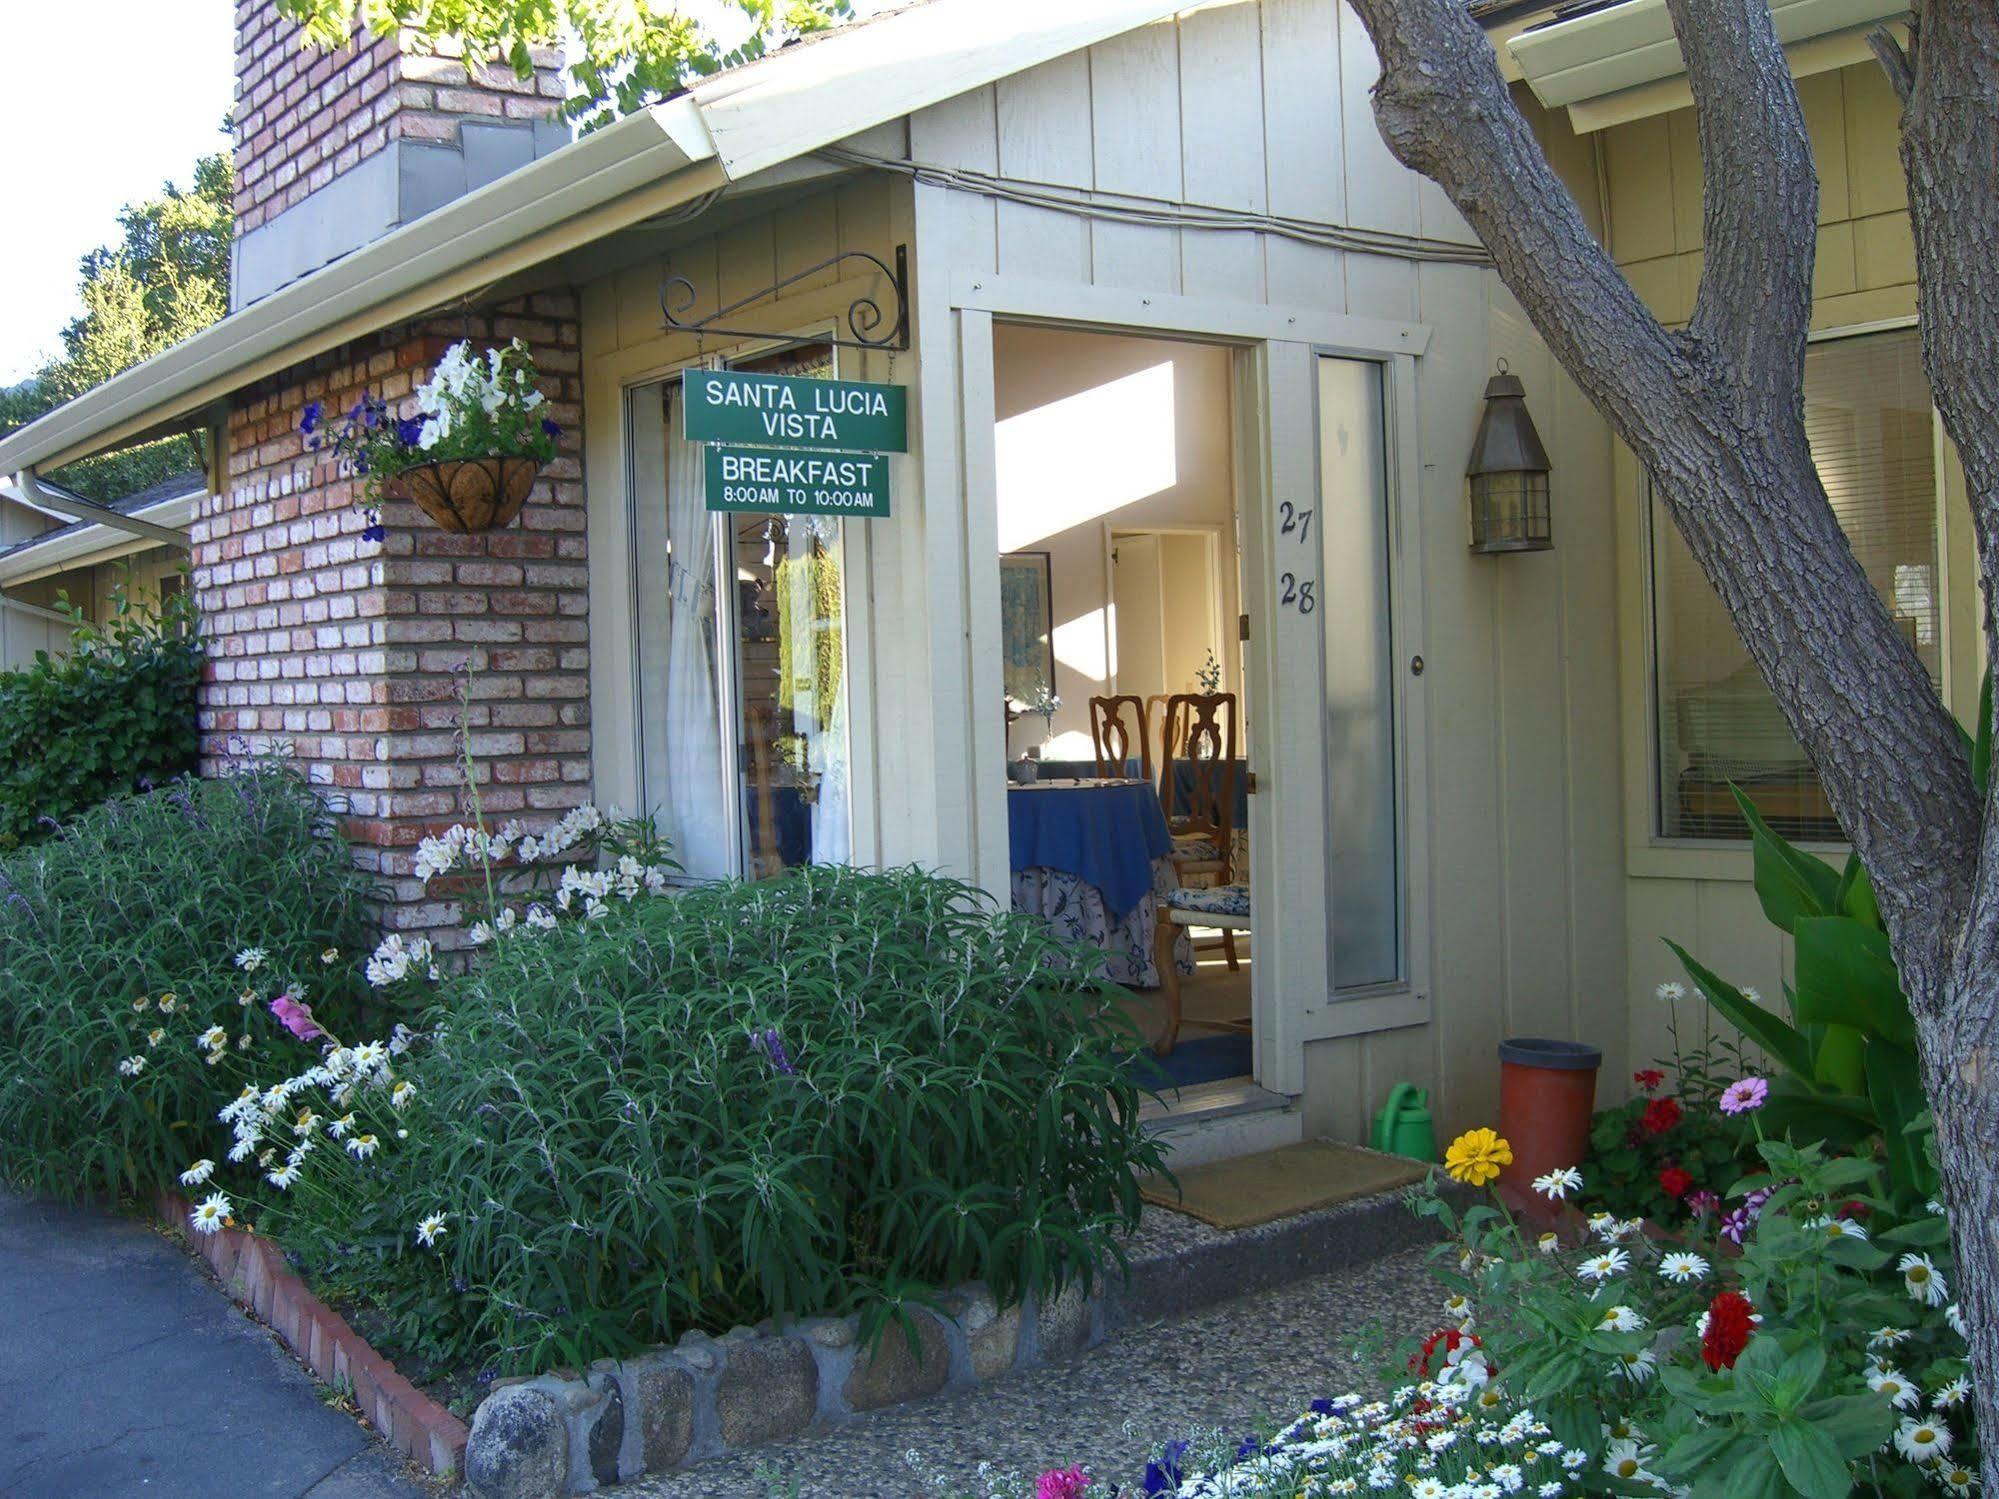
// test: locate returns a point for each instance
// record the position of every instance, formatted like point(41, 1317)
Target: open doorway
point(1124, 671)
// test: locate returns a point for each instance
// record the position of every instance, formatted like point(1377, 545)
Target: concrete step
point(1221, 1120)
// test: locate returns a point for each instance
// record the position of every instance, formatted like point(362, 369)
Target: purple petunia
point(308, 421)
point(1163, 1475)
point(1736, 1223)
point(408, 430)
point(551, 427)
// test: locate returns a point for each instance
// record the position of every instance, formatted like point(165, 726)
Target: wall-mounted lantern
point(1509, 473)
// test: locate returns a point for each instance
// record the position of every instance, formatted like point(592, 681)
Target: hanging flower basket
point(470, 494)
point(468, 457)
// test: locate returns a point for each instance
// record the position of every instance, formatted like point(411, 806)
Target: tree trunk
point(1715, 414)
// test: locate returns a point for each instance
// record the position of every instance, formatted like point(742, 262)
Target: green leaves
point(961, 1108)
point(1846, 976)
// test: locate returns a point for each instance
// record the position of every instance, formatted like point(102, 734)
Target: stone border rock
point(257, 1277)
point(560, 1433)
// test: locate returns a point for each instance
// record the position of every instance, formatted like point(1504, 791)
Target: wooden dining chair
point(1198, 788)
point(1117, 725)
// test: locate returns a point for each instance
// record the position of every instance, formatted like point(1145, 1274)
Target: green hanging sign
point(795, 411)
point(797, 481)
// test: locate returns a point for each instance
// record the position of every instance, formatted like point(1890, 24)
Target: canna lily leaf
point(1789, 882)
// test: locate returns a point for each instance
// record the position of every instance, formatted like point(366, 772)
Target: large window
point(741, 667)
point(1867, 417)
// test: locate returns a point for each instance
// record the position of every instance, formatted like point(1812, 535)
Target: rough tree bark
point(1715, 412)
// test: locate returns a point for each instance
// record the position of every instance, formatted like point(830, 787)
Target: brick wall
point(305, 115)
point(347, 655)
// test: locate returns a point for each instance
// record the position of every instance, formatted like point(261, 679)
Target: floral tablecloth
point(1076, 909)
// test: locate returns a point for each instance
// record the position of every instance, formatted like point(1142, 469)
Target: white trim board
point(1102, 308)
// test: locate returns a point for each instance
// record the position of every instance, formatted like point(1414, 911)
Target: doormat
point(1280, 1183)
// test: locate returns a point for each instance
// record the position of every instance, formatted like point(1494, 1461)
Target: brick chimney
point(336, 149)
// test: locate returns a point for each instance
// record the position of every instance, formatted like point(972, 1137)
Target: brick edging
point(253, 1270)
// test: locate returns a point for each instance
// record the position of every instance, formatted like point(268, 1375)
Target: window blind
point(1868, 420)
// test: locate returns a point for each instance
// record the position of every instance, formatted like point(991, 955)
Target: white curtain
point(697, 804)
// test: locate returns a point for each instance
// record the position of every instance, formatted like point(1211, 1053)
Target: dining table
point(1091, 856)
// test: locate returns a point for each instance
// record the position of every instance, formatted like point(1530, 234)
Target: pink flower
point(1062, 1483)
point(1744, 1096)
point(296, 1017)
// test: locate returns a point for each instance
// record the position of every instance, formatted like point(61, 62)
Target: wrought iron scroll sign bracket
point(865, 317)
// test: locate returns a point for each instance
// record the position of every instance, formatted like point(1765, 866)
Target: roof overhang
point(1622, 62)
point(87, 545)
point(729, 128)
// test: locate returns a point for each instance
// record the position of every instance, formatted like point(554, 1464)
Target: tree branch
point(1760, 198)
point(1895, 61)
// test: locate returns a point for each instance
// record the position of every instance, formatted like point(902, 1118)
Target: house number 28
point(1296, 593)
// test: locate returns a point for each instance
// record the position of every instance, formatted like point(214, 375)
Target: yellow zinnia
point(1476, 1156)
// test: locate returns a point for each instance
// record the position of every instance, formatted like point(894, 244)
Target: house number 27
point(1296, 593)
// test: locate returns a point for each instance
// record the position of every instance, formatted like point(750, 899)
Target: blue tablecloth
point(1183, 782)
point(1107, 836)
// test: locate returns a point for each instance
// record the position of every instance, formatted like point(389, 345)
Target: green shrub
point(114, 715)
point(826, 1093)
point(130, 922)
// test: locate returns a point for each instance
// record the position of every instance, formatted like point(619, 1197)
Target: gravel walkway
point(1259, 1356)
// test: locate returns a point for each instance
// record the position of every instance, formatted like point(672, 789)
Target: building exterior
point(1167, 293)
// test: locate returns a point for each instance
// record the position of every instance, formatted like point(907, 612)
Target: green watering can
point(1403, 1126)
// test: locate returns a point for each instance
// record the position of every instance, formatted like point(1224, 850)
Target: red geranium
point(1674, 1181)
point(1649, 1079)
point(1728, 1329)
point(1660, 1115)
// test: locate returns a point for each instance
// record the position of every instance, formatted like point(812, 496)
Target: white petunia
point(1557, 1185)
point(210, 1214)
point(1681, 1267)
point(198, 1173)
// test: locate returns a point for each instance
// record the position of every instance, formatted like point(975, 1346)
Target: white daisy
point(131, 1066)
point(1922, 1441)
point(1954, 1478)
point(1601, 1267)
point(1834, 1229)
point(402, 1093)
point(1901, 1392)
point(284, 1176)
point(429, 1229)
point(212, 1039)
point(362, 1146)
point(1620, 1318)
point(250, 959)
point(1952, 1395)
point(1954, 1315)
point(1557, 1185)
point(1921, 1280)
point(1888, 1337)
point(210, 1214)
point(198, 1173)
point(1636, 1367)
point(339, 1127)
point(154, 1037)
point(1680, 1267)
point(1671, 992)
point(1549, 1243)
point(168, 1004)
point(1626, 1459)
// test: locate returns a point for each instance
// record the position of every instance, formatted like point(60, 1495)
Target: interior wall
point(1083, 419)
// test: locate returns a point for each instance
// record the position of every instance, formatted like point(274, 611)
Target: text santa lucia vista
point(730, 406)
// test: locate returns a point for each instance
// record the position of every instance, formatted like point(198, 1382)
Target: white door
point(1138, 603)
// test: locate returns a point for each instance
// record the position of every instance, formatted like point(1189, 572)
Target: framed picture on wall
point(1027, 624)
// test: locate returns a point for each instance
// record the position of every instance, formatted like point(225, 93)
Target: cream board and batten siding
point(1650, 195)
point(23, 634)
point(1518, 922)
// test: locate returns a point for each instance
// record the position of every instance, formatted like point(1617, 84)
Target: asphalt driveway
point(125, 1370)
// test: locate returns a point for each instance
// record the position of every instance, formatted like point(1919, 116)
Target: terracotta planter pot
point(471, 494)
point(1547, 1092)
